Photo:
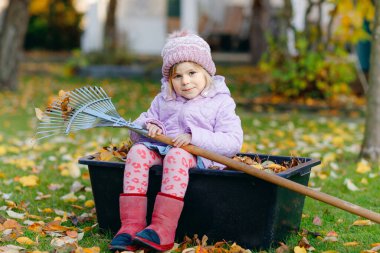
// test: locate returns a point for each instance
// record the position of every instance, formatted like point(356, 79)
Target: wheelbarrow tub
point(222, 204)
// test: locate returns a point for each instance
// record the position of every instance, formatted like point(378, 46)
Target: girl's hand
point(153, 130)
point(182, 140)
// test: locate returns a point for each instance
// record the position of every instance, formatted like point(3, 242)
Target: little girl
point(194, 106)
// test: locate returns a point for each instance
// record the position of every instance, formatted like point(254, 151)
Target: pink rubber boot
point(159, 235)
point(133, 219)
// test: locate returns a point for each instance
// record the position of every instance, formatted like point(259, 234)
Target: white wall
point(143, 25)
point(94, 18)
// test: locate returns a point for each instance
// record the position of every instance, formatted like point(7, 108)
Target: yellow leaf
point(349, 244)
point(87, 250)
point(363, 167)
point(362, 223)
point(105, 155)
point(364, 181)
point(338, 141)
point(47, 210)
point(328, 158)
point(10, 203)
point(298, 249)
point(65, 172)
point(89, 203)
point(3, 150)
point(25, 240)
point(30, 181)
point(41, 116)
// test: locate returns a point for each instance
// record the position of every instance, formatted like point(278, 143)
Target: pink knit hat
point(183, 46)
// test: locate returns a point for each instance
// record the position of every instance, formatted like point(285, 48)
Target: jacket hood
point(218, 86)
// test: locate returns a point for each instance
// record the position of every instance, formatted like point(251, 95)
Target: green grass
point(333, 139)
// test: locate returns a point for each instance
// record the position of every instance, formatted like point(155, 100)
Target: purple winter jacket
point(210, 118)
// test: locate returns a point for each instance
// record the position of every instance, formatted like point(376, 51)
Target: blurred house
point(143, 25)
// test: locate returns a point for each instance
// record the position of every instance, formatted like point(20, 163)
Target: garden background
point(312, 103)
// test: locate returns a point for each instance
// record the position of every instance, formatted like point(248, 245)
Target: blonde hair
point(197, 67)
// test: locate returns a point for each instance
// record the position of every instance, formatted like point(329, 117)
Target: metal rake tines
point(82, 108)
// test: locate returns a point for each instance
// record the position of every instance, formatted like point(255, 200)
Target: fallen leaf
point(76, 186)
point(30, 181)
point(330, 239)
point(55, 226)
point(25, 240)
point(317, 221)
point(63, 242)
point(54, 187)
point(36, 227)
point(34, 217)
point(88, 250)
point(298, 249)
point(350, 185)
point(304, 243)
point(363, 167)
point(11, 249)
point(70, 197)
point(283, 248)
point(15, 215)
point(42, 196)
point(12, 224)
point(47, 210)
point(332, 233)
point(72, 234)
point(89, 203)
point(362, 223)
point(350, 244)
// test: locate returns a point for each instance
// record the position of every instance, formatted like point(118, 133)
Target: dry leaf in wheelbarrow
point(267, 166)
point(114, 153)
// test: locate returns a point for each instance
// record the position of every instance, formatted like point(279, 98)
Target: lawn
point(45, 194)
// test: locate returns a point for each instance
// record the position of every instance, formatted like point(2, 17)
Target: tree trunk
point(259, 27)
point(110, 35)
point(371, 144)
point(12, 34)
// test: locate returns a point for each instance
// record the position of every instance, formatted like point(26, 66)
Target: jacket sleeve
point(150, 116)
point(227, 137)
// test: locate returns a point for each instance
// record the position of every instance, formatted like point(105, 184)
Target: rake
point(90, 107)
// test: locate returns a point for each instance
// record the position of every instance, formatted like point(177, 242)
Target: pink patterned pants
point(175, 176)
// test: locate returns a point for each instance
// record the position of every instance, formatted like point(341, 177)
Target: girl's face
point(188, 80)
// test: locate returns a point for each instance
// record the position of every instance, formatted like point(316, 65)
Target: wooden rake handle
point(277, 180)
